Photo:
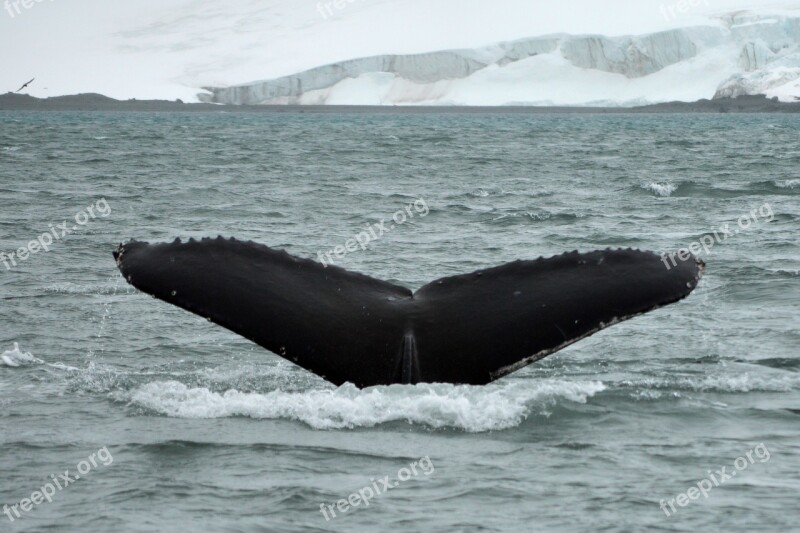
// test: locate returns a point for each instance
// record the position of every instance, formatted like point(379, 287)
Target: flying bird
point(18, 90)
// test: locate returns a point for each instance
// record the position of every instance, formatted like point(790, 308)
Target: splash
point(16, 357)
point(472, 409)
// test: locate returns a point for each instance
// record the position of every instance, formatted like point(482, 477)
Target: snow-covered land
point(743, 54)
point(412, 51)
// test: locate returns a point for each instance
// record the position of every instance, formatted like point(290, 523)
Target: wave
point(679, 143)
point(69, 287)
point(513, 218)
point(778, 187)
point(469, 408)
point(485, 192)
point(785, 273)
point(745, 382)
point(689, 189)
point(788, 184)
point(661, 189)
point(781, 363)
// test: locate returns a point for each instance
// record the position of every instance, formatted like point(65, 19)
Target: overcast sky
point(167, 48)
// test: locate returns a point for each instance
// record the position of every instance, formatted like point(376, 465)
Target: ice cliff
point(739, 54)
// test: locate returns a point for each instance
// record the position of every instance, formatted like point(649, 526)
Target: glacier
point(742, 53)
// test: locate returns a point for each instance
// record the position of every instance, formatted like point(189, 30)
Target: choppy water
point(209, 432)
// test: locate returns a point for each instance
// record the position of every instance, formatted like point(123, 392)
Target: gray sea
point(685, 419)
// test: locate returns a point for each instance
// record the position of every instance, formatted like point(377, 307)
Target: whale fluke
point(348, 327)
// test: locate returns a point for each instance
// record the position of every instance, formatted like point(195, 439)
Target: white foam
point(473, 409)
point(69, 287)
point(661, 189)
point(747, 383)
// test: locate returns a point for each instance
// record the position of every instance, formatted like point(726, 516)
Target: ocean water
point(193, 428)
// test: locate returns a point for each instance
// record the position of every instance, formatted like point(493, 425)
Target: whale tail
point(348, 327)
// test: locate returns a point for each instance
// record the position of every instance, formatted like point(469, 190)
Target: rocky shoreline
point(97, 102)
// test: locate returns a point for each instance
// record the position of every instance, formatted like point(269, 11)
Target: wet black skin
point(348, 327)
